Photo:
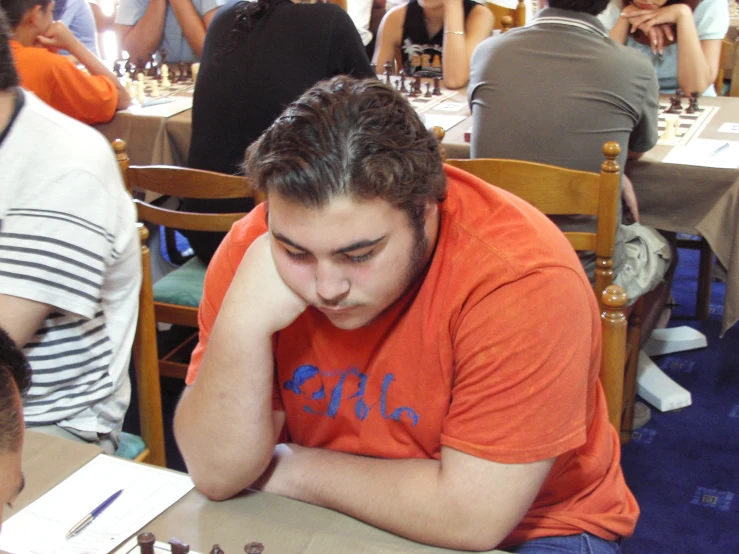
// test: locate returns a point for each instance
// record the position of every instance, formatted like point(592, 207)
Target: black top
point(240, 93)
point(421, 53)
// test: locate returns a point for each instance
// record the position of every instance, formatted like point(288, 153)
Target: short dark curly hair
point(15, 379)
point(347, 136)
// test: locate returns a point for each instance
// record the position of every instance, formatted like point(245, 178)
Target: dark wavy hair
point(247, 13)
point(8, 74)
point(351, 137)
point(592, 7)
point(16, 9)
point(15, 379)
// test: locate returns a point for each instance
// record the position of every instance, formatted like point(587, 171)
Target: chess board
point(422, 103)
point(178, 88)
point(690, 124)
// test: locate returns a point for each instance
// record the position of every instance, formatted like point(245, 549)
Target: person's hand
point(645, 20)
point(629, 202)
point(57, 37)
point(660, 36)
point(262, 290)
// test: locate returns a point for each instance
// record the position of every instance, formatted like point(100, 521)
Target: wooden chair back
point(559, 191)
point(728, 68)
point(505, 18)
point(148, 388)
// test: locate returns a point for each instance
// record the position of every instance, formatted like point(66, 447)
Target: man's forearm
point(414, 498)
point(224, 422)
point(143, 39)
point(191, 23)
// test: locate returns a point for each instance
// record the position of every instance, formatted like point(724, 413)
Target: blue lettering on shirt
point(306, 373)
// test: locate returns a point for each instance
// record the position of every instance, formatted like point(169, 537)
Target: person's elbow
point(124, 100)
point(454, 82)
point(634, 155)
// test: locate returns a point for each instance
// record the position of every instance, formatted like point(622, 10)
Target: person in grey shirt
point(553, 92)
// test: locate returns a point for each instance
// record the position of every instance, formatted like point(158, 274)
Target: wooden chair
point(149, 447)
point(568, 192)
point(728, 69)
point(176, 297)
point(505, 18)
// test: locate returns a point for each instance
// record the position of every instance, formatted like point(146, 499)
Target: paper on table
point(172, 106)
point(729, 127)
point(446, 122)
point(147, 491)
point(705, 153)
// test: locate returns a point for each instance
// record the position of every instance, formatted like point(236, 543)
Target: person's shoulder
point(72, 142)
point(503, 231)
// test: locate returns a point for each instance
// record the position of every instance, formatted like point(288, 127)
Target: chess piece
point(195, 69)
point(428, 90)
point(216, 550)
point(415, 87)
point(181, 72)
point(402, 87)
point(675, 102)
point(154, 89)
point(146, 543)
point(178, 547)
point(254, 548)
point(166, 83)
point(693, 103)
point(670, 121)
point(437, 86)
point(162, 57)
point(387, 72)
point(140, 93)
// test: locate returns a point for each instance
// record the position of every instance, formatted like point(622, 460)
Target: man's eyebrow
point(343, 250)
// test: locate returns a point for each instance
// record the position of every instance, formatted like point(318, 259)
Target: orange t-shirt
point(57, 81)
point(495, 353)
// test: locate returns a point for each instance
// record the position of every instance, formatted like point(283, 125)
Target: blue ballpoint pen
point(85, 521)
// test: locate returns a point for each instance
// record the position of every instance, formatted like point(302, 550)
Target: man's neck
point(7, 104)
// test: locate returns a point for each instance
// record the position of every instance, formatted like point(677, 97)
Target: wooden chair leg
point(705, 274)
point(633, 336)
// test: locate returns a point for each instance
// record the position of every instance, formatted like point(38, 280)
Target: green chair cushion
point(130, 446)
point(183, 286)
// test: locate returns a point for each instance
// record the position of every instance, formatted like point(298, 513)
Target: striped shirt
point(68, 239)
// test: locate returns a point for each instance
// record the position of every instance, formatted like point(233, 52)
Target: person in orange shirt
point(36, 39)
point(401, 342)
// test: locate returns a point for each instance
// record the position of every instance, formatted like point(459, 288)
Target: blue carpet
point(682, 465)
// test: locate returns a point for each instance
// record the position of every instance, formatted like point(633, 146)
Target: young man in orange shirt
point(403, 343)
point(55, 79)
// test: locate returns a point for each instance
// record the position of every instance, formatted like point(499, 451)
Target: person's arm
point(461, 501)
point(510, 416)
point(697, 60)
point(58, 36)
point(142, 38)
point(192, 25)
point(460, 40)
point(102, 21)
point(389, 37)
point(225, 426)
point(21, 317)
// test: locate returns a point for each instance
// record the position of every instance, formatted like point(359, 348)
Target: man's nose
point(332, 285)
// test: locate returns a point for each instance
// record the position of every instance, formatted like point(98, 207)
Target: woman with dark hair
point(682, 37)
point(257, 58)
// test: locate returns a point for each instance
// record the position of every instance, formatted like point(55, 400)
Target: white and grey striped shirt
point(68, 239)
